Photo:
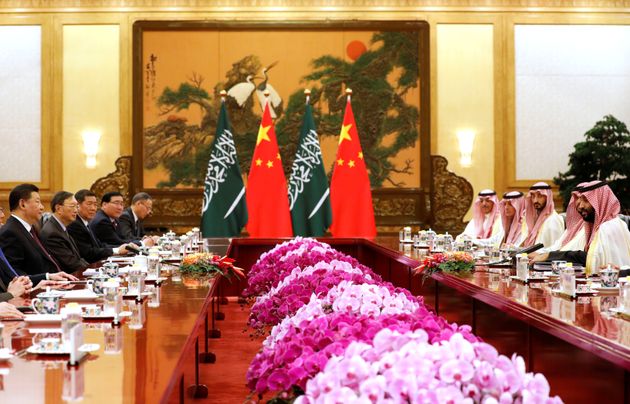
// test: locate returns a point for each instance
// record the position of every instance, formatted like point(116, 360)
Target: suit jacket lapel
point(66, 236)
point(38, 246)
point(28, 236)
point(95, 241)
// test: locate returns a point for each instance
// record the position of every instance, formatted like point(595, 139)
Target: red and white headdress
point(482, 229)
point(516, 199)
point(533, 223)
point(604, 202)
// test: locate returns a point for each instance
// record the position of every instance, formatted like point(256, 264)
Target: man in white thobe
point(595, 236)
point(512, 211)
point(485, 228)
point(542, 223)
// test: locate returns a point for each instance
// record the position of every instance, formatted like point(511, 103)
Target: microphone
point(525, 250)
point(529, 249)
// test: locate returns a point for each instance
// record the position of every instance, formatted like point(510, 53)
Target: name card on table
point(567, 282)
point(76, 341)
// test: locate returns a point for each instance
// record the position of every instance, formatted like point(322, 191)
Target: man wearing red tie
point(20, 241)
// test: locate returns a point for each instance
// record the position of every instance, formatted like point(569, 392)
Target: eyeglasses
point(149, 207)
point(119, 203)
point(73, 206)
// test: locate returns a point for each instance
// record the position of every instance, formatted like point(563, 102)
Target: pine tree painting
point(380, 75)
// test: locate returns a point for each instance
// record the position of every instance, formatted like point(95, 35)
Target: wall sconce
point(90, 146)
point(466, 139)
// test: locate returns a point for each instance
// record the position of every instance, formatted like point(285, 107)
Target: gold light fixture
point(91, 139)
point(466, 140)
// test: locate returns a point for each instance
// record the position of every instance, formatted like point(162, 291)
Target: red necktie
point(39, 243)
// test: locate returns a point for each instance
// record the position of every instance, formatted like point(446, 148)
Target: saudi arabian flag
point(224, 211)
point(309, 194)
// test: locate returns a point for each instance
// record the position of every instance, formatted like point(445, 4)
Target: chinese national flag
point(267, 198)
point(350, 194)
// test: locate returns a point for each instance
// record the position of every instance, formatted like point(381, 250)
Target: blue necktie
point(6, 262)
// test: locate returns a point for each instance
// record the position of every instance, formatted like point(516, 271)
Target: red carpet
point(234, 350)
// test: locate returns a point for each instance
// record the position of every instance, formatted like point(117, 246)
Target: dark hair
point(20, 192)
point(108, 196)
point(82, 194)
point(140, 196)
point(59, 198)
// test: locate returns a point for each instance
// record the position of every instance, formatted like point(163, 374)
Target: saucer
point(37, 350)
point(577, 293)
point(102, 316)
point(528, 280)
point(80, 294)
point(89, 347)
point(610, 289)
point(42, 318)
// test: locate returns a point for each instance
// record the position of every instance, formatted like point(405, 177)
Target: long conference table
point(162, 352)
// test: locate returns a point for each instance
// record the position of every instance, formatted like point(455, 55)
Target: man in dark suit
point(19, 239)
point(131, 219)
point(89, 246)
point(55, 236)
point(17, 286)
point(105, 225)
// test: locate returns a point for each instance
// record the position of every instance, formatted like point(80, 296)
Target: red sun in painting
point(355, 49)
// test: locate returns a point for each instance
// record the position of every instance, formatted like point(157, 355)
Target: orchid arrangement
point(270, 267)
point(304, 349)
point(453, 262)
point(404, 367)
point(342, 334)
point(363, 299)
point(296, 289)
point(202, 264)
point(278, 263)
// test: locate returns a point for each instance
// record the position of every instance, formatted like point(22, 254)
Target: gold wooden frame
point(179, 206)
point(314, 5)
point(505, 171)
point(50, 164)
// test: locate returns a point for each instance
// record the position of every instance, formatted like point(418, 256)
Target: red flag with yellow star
point(267, 196)
point(350, 193)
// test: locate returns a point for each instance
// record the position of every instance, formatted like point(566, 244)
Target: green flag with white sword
point(224, 211)
point(309, 194)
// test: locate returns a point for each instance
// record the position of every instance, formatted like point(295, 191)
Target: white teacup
point(46, 303)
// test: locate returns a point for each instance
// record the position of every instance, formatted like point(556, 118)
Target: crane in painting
point(242, 91)
point(275, 100)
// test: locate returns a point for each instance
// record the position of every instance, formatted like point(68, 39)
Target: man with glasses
point(22, 252)
point(90, 248)
point(55, 235)
point(106, 225)
point(131, 219)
